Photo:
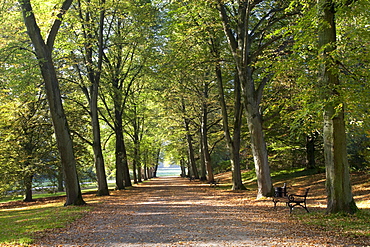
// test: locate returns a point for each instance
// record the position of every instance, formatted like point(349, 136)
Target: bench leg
point(275, 202)
point(305, 207)
point(292, 206)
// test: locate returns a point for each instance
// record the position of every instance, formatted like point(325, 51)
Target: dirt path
point(175, 212)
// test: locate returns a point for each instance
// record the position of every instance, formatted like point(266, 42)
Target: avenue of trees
point(105, 89)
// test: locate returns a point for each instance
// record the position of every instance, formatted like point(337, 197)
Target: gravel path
point(175, 212)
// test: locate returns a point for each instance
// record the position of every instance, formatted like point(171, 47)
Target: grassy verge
point(18, 225)
point(87, 189)
point(355, 226)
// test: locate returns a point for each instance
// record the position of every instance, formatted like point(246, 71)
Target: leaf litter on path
point(172, 211)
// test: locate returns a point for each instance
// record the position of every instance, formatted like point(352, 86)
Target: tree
point(232, 136)
point(90, 66)
point(43, 50)
point(338, 185)
point(251, 28)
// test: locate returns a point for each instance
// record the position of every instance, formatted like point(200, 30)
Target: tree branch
point(57, 22)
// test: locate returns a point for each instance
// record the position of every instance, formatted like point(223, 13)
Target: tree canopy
point(210, 85)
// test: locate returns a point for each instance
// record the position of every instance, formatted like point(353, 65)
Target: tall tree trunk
point(259, 150)
point(98, 153)
point(120, 185)
point(156, 164)
point(136, 141)
point(122, 171)
point(44, 55)
point(338, 184)
point(60, 179)
point(233, 142)
point(203, 172)
point(134, 169)
point(204, 135)
point(94, 73)
point(193, 166)
point(183, 167)
point(193, 171)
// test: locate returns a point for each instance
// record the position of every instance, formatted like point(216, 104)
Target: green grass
point(356, 225)
point(18, 225)
point(34, 196)
point(249, 178)
point(88, 189)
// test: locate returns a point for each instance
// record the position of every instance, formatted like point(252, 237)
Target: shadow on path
point(171, 211)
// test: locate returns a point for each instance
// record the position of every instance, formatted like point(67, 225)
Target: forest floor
point(172, 211)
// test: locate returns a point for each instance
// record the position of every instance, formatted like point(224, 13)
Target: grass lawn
point(18, 225)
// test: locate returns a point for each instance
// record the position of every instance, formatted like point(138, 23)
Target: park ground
point(173, 211)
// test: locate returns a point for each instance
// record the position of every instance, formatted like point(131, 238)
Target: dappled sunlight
point(175, 211)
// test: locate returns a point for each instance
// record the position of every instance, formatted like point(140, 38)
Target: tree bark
point(338, 186)
point(183, 167)
point(233, 141)
point(203, 173)
point(44, 55)
point(310, 150)
point(204, 135)
point(28, 188)
point(98, 153)
point(121, 156)
point(193, 171)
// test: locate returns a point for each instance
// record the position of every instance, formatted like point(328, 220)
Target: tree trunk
point(94, 73)
point(137, 155)
point(259, 151)
point(156, 163)
point(134, 169)
point(28, 188)
point(120, 149)
point(122, 170)
point(60, 179)
point(139, 172)
point(204, 135)
point(310, 151)
point(233, 142)
point(64, 142)
point(98, 153)
point(193, 167)
point(183, 167)
point(338, 185)
point(203, 173)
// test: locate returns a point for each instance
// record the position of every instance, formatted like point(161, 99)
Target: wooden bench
point(291, 200)
point(214, 182)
